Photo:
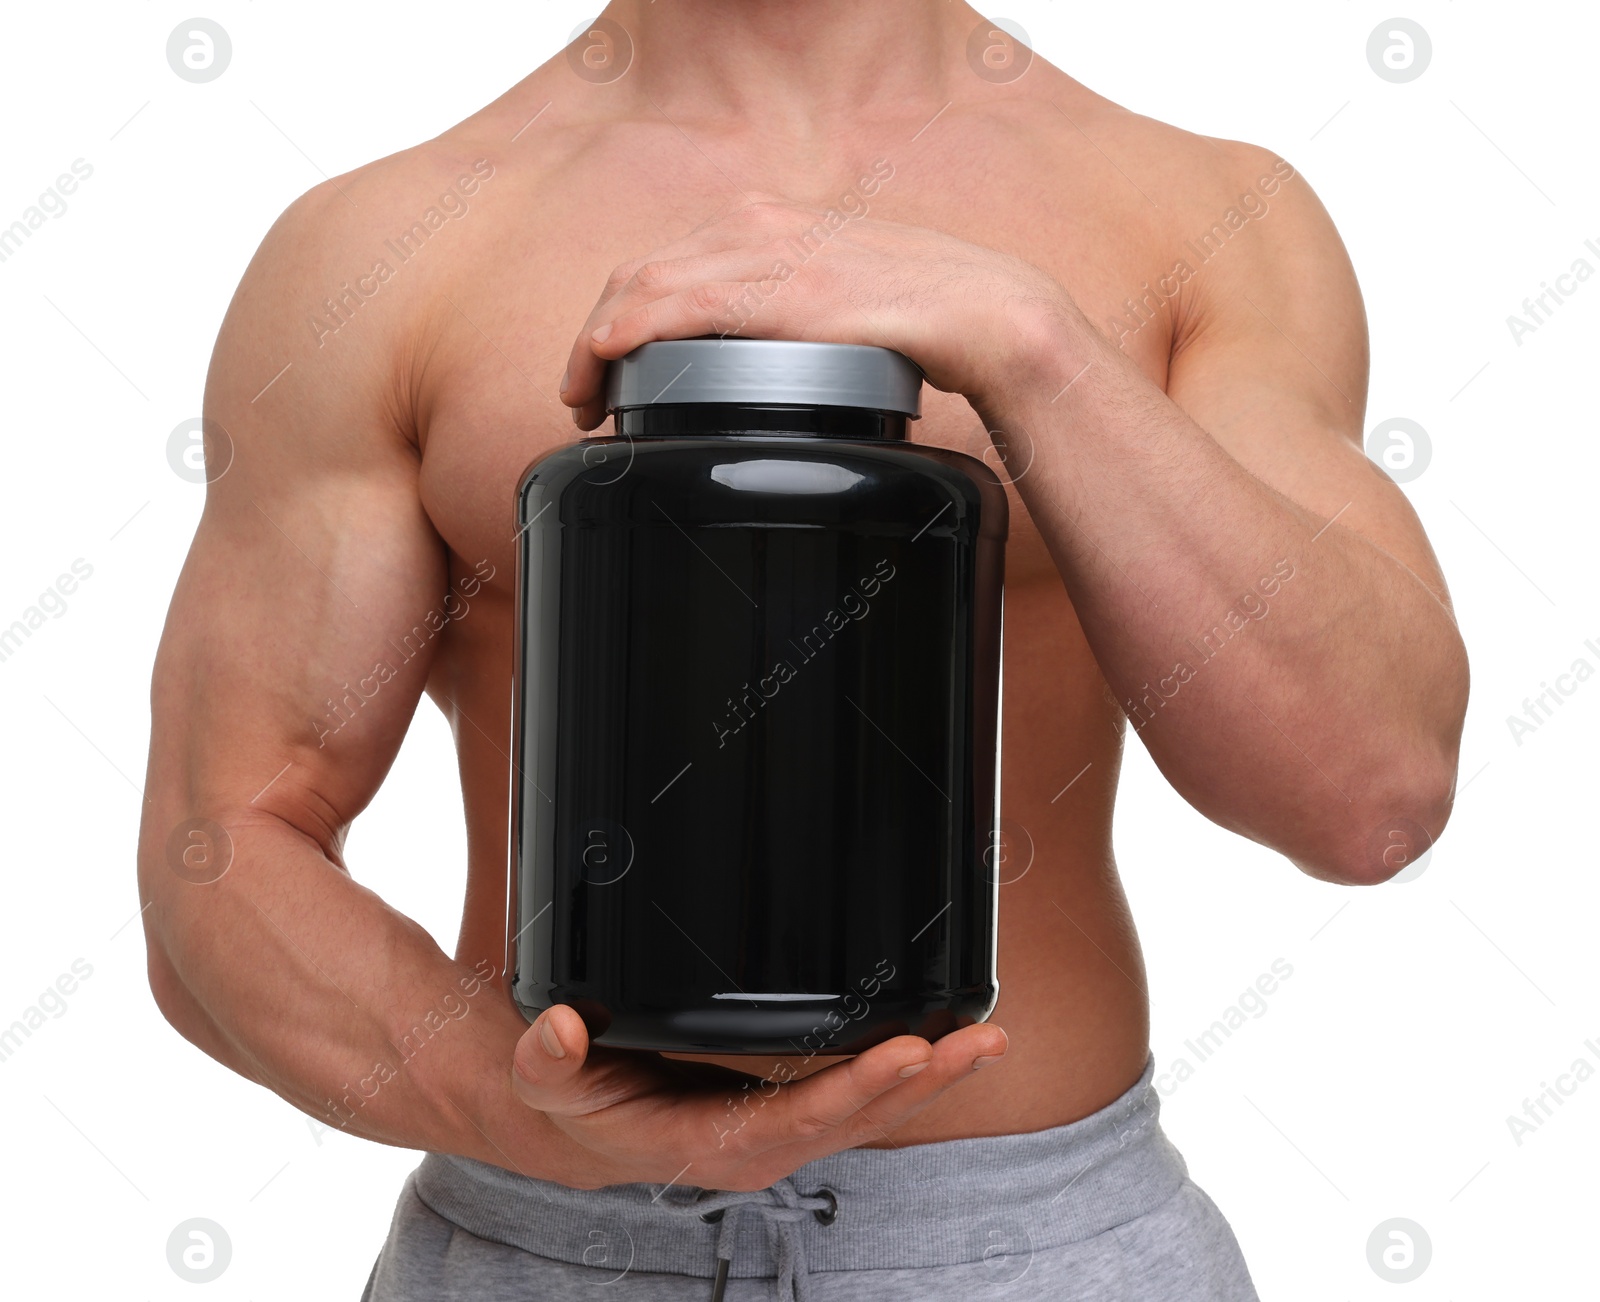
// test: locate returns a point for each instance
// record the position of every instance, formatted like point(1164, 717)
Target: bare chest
point(520, 291)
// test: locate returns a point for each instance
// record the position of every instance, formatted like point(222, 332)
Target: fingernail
point(986, 1060)
point(577, 416)
point(602, 334)
point(565, 376)
point(547, 1037)
point(913, 1069)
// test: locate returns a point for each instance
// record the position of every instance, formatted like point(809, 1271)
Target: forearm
point(292, 974)
point(1308, 730)
point(1292, 680)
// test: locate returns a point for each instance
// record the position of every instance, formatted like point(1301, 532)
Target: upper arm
point(281, 686)
point(1270, 352)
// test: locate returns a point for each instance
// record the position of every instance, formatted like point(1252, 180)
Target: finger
point(557, 1070)
point(699, 309)
point(813, 1108)
point(549, 1060)
point(957, 1057)
point(712, 308)
point(581, 378)
point(728, 227)
point(759, 220)
point(866, 1104)
point(756, 268)
point(822, 1107)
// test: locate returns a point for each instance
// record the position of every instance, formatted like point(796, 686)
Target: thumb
point(548, 1060)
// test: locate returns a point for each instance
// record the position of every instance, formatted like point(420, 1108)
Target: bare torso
point(491, 311)
point(392, 361)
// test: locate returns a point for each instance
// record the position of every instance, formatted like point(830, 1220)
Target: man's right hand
point(639, 1117)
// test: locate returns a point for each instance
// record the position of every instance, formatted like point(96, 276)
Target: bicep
point(298, 638)
point(1271, 360)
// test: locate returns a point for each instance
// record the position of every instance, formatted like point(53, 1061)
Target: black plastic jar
point(756, 700)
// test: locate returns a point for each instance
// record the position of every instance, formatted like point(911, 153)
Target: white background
point(1419, 1015)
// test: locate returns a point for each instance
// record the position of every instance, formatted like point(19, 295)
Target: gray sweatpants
point(1101, 1210)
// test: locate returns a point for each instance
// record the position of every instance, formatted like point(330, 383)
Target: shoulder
point(1239, 246)
point(1195, 181)
point(359, 267)
point(1243, 207)
point(408, 219)
point(349, 223)
point(1236, 219)
point(1226, 212)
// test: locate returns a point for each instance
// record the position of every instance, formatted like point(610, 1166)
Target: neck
point(812, 64)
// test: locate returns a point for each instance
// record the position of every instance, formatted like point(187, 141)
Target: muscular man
point(1167, 335)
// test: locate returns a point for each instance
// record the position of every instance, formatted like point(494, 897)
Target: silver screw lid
point(765, 371)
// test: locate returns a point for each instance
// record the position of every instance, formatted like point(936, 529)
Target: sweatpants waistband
point(924, 1205)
